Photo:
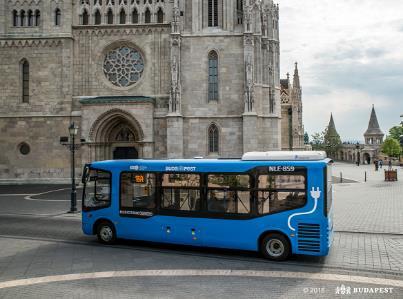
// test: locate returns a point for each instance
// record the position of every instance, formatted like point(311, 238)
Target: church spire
point(296, 83)
point(373, 125)
point(331, 128)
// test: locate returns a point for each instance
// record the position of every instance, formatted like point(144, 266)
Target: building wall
point(66, 66)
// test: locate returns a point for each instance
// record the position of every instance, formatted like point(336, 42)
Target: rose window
point(123, 66)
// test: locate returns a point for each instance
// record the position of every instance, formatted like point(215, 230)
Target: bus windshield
point(97, 189)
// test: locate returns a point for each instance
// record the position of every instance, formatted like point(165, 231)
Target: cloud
point(349, 58)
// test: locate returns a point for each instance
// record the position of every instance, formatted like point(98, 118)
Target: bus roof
point(226, 165)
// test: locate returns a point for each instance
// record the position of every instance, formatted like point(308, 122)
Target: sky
point(350, 57)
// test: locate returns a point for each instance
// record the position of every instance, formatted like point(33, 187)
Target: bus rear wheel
point(106, 233)
point(275, 247)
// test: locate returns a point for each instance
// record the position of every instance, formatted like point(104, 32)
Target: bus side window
point(228, 193)
point(137, 191)
point(180, 192)
point(280, 192)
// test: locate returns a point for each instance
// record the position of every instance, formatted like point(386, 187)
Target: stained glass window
point(123, 66)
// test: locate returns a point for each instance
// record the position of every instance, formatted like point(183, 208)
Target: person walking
point(380, 163)
point(376, 164)
point(390, 164)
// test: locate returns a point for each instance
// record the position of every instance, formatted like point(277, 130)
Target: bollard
point(365, 177)
point(341, 177)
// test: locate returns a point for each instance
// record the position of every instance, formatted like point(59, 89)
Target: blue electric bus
point(279, 203)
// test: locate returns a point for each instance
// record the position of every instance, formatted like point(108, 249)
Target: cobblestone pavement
point(374, 206)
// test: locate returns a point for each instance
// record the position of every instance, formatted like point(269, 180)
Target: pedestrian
point(376, 164)
point(380, 164)
point(390, 164)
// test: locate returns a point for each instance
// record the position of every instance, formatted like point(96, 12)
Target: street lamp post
point(358, 154)
point(73, 198)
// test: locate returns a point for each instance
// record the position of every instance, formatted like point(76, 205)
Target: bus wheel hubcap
point(106, 233)
point(275, 247)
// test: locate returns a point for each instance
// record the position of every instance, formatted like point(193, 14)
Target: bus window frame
point(180, 213)
point(153, 211)
point(85, 180)
point(252, 201)
point(300, 170)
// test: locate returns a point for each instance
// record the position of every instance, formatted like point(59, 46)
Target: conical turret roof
point(373, 125)
point(331, 128)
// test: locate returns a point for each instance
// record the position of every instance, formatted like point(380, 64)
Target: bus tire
point(106, 232)
point(275, 246)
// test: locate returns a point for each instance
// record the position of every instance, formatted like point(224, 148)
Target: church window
point(239, 7)
point(37, 17)
point(212, 13)
point(135, 16)
point(58, 17)
point(30, 18)
point(22, 18)
point(97, 18)
point(15, 18)
point(123, 66)
point(213, 76)
point(213, 139)
point(122, 17)
point(147, 16)
point(110, 16)
point(25, 80)
point(85, 18)
point(24, 148)
point(160, 16)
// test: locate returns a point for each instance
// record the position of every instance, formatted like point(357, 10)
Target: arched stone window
point(15, 18)
point(85, 18)
point(160, 16)
point(25, 80)
point(213, 139)
point(30, 18)
point(213, 76)
point(110, 16)
point(212, 13)
point(58, 17)
point(122, 17)
point(135, 16)
point(22, 18)
point(147, 16)
point(98, 18)
point(37, 17)
point(239, 8)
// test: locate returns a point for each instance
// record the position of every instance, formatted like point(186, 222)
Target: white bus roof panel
point(285, 156)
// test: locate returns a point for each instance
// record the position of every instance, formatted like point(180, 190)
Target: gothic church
point(140, 78)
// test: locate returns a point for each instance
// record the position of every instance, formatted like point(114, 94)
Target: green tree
point(391, 147)
point(306, 138)
point(396, 132)
point(332, 142)
point(317, 141)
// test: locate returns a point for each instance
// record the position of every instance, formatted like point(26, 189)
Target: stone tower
point(292, 129)
point(373, 135)
point(332, 139)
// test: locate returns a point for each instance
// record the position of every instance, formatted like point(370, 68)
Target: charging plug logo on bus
point(315, 194)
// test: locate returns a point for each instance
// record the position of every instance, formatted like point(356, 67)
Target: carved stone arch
point(100, 126)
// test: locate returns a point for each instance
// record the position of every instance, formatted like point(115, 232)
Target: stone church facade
point(292, 128)
point(140, 78)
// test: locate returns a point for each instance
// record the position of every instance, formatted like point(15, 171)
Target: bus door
point(180, 206)
point(137, 206)
point(228, 204)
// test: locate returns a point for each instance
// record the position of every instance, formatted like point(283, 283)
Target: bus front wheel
point(275, 247)
point(106, 233)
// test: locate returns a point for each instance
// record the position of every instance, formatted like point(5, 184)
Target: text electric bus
point(279, 203)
